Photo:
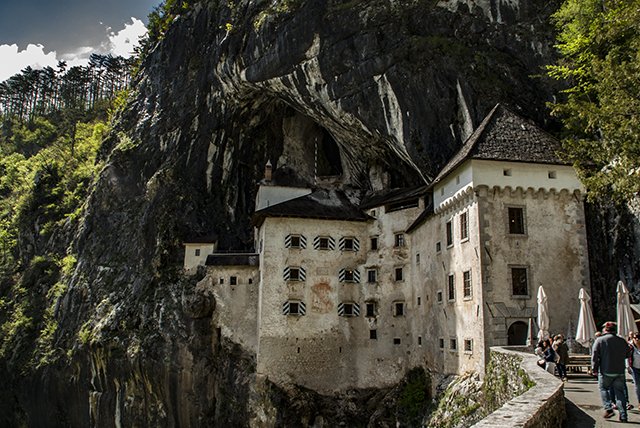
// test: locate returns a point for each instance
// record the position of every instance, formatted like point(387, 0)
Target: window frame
point(451, 287)
point(522, 218)
point(197, 252)
point(373, 305)
point(464, 226)
point(399, 240)
point(233, 280)
point(396, 270)
point(449, 233)
point(453, 344)
point(402, 305)
point(527, 278)
point(467, 285)
point(468, 346)
point(373, 271)
point(373, 243)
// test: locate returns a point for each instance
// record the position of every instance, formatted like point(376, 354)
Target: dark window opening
point(399, 276)
point(373, 334)
point(198, 252)
point(233, 280)
point(371, 309)
point(399, 309)
point(323, 243)
point(516, 221)
point(519, 281)
point(374, 243)
point(396, 341)
point(449, 230)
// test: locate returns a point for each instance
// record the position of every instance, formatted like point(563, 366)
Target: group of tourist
point(611, 356)
point(554, 355)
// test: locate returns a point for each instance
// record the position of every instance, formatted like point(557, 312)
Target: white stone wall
point(191, 260)
point(460, 318)
point(322, 350)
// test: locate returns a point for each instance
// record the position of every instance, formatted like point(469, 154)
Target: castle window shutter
point(356, 310)
point(356, 244)
point(303, 242)
point(285, 308)
point(341, 309)
point(356, 275)
point(332, 243)
point(303, 274)
point(302, 308)
point(287, 241)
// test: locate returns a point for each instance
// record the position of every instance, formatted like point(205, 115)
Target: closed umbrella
point(625, 316)
point(543, 315)
point(586, 325)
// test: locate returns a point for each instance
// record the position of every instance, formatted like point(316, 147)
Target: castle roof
point(505, 136)
point(320, 204)
point(393, 196)
point(233, 259)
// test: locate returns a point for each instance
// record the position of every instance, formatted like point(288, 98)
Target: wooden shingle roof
point(505, 136)
point(320, 204)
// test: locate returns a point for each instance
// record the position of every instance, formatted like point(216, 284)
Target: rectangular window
point(348, 244)
point(372, 276)
point(419, 301)
point(418, 258)
point(439, 296)
point(197, 252)
point(468, 345)
point(293, 307)
point(453, 344)
point(348, 309)
point(451, 287)
point(399, 274)
point(449, 231)
point(466, 281)
point(294, 274)
point(399, 240)
point(419, 340)
point(519, 283)
point(221, 281)
point(323, 243)
point(374, 243)
point(464, 226)
point(295, 241)
point(441, 343)
point(552, 174)
point(373, 334)
point(348, 275)
point(233, 280)
point(438, 247)
point(397, 341)
point(516, 220)
point(398, 309)
point(371, 309)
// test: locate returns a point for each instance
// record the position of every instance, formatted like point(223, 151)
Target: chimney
point(268, 169)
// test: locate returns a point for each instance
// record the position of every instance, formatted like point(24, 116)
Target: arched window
point(517, 333)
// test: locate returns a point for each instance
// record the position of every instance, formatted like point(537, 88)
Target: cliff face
point(365, 89)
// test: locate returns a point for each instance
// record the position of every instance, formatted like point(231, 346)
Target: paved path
point(584, 407)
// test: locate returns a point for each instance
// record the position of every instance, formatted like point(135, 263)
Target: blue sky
point(41, 32)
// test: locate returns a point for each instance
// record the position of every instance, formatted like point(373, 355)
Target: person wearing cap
point(608, 362)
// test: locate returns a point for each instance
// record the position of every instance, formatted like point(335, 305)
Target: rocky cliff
point(379, 91)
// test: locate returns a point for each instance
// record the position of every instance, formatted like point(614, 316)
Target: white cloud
point(123, 42)
point(118, 43)
point(14, 60)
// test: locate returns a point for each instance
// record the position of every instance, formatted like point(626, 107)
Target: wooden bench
point(578, 362)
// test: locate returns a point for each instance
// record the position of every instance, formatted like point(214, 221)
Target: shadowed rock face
point(396, 86)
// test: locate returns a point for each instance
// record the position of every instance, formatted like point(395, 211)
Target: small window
point(373, 334)
point(295, 242)
point(466, 281)
point(294, 307)
point(398, 309)
point(348, 309)
point(516, 220)
point(323, 243)
point(233, 280)
point(468, 345)
point(349, 275)
point(397, 341)
point(453, 344)
point(250, 280)
point(418, 258)
point(419, 301)
point(464, 226)
point(449, 233)
point(399, 274)
point(399, 240)
point(419, 340)
point(519, 282)
point(197, 252)
point(438, 247)
point(373, 243)
point(349, 244)
point(552, 175)
point(441, 343)
point(506, 172)
point(371, 309)
point(451, 287)
point(372, 276)
point(221, 281)
point(439, 296)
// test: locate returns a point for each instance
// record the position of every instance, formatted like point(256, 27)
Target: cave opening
point(328, 161)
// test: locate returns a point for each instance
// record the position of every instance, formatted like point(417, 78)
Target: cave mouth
point(328, 161)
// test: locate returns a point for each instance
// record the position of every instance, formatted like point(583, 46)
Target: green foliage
point(160, 20)
point(275, 9)
point(599, 43)
point(414, 397)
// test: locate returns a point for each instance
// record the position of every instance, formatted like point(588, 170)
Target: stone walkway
point(584, 407)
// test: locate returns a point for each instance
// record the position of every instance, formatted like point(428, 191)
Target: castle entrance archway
point(517, 333)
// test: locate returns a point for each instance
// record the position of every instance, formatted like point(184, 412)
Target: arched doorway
point(517, 333)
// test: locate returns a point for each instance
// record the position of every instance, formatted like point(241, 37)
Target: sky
point(42, 32)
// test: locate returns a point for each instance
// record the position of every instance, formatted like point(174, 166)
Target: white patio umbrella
point(543, 315)
point(625, 316)
point(586, 325)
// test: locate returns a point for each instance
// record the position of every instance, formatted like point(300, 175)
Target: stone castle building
point(342, 295)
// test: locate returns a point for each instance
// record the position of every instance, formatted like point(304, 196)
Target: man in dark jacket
point(607, 361)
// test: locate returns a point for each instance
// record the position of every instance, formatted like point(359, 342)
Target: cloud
point(123, 42)
point(14, 60)
point(118, 43)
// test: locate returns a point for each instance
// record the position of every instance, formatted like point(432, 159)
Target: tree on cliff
point(599, 44)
